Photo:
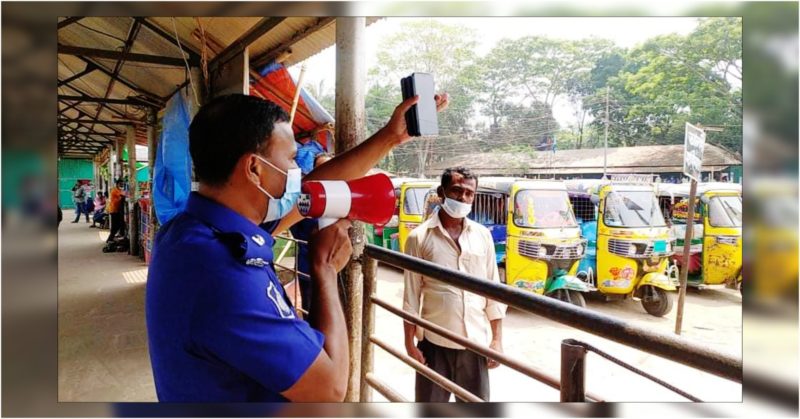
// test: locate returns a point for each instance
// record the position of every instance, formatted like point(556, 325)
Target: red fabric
point(279, 87)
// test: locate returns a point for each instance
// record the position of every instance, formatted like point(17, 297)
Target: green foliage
point(504, 100)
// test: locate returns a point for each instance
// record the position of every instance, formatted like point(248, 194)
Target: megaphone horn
point(370, 199)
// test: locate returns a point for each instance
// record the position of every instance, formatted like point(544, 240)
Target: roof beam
point(185, 46)
point(259, 29)
point(91, 121)
point(83, 113)
point(68, 21)
point(83, 93)
point(133, 32)
point(75, 130)
point(89, 99)
point(125, 82)
point(273, 53)
point(117, 55)
point(89, 68)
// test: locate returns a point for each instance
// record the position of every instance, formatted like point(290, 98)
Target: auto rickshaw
point(772, 241)
point(629, 241)
point(411, 207)
point(538, 238)
point(386, 235)
point(716, 246)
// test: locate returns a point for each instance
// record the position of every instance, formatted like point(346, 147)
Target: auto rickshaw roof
point(682, 189)
point(498, 183)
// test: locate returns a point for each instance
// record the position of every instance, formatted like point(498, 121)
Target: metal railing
point(571, 383)
point(291, 242)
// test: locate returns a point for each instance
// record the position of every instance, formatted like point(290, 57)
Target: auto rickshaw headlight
point(542, 251)
point(632, 249)
point(579, 249)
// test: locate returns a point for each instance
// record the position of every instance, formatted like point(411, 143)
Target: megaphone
point(369, 199)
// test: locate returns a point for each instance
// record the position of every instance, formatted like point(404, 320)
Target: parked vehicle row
point(620, 238)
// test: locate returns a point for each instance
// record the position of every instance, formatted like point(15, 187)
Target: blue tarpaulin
point(172, 175)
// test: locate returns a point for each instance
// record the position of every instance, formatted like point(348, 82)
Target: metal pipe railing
point(383, 388)
point(573, 372)
point(666, 346)
point(432, 375)
point(479, 349)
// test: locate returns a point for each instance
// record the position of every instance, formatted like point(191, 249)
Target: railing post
point(370, 269)
point(573, 371)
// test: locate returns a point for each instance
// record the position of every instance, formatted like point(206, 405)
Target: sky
point(624, 31)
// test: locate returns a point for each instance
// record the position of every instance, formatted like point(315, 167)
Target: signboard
point(694, 142)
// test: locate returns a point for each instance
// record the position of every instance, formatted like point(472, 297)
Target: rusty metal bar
point(117, 55)
point(305, 275)
point(88, 99)
point(479, 349)
point(573, 372)
point(68, 21)
point(632, 369)
point(667, 346)
point(238, 46)
point(384, 389)
point(274, 52)
point(370, 269)
point(186, 46)
point(432, 375)
point(88, 69)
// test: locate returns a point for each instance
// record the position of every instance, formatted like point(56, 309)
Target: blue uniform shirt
point(219, 325)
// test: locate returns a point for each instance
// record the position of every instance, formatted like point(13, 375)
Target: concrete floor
point(102, 340)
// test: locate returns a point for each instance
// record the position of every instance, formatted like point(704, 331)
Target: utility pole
point(605, 142)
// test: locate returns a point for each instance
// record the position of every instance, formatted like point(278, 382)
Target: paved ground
point(103, 346)
point(102, 342)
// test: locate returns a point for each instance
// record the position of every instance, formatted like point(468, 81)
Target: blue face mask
point(279, 207)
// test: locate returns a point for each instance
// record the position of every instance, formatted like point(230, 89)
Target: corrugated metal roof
point(305, 36)
point(645, 159)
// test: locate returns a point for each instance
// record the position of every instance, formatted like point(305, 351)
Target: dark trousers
point(467, 369)
point(80, 208)
point(117, 225)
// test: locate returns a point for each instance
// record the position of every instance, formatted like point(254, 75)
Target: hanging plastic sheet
point(172, 175)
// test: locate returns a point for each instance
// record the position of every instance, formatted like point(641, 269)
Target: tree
point(430, 46)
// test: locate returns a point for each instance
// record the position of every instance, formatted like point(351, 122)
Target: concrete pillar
point(351, 77)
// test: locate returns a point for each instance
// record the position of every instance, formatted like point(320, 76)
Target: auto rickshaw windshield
point(725, 211)
point(414, 200)
point(632, 209)
point(543, 209)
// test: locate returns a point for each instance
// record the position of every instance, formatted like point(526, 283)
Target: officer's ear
point(253, 168)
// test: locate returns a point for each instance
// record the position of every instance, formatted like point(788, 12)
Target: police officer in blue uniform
point(220, 327)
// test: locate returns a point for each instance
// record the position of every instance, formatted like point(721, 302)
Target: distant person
point(302, 231)
point(451, 240)
point(79, 199)
point(116, 210)
point(99, 210)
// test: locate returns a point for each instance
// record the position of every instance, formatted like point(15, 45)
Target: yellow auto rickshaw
point(544, 244)
point(412, 206)
point(629, 242)
point(716, 246)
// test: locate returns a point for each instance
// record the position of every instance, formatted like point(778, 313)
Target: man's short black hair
point(227, 128)
point(447, 175)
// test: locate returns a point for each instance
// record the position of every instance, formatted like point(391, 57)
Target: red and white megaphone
point(369, 199)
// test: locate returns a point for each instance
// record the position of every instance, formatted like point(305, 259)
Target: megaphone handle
point(324, 222)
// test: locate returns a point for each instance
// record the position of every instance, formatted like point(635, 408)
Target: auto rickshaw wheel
point(656, 301)
point(570, 296)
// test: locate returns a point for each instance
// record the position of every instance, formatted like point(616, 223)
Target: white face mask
point(278, 208)
point(455, 208)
